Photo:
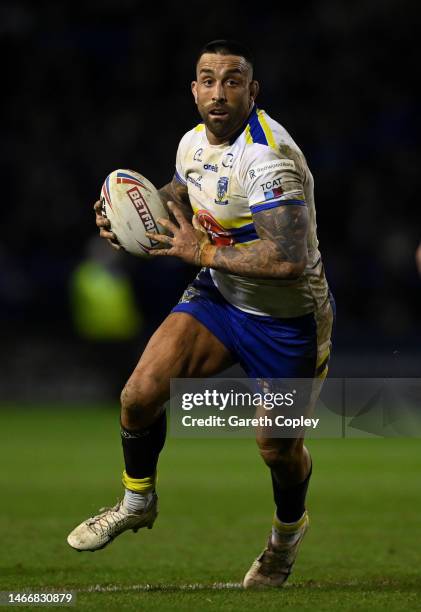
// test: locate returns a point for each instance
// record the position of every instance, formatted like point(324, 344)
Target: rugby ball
point(132, 204)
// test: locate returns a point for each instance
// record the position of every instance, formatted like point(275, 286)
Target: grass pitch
point(60, 465)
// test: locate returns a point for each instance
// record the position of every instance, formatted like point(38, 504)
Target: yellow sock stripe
point(249, 139)
point(266, 129)
point(289, 527)
point(139, 485)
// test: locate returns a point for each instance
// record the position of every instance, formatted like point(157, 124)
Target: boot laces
point(104, 522)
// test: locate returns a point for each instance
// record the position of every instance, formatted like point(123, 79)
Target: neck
point(216, 140)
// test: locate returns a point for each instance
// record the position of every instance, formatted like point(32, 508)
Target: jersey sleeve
point(271, 179)
point(180, 158)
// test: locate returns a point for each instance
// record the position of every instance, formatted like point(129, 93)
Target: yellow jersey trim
point(265, 127)
point(249, 139)
point(228, 223)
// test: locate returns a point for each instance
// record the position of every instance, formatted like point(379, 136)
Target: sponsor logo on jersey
point(272, 166)
point(198, 155)
point(143, 211)
point(189, 294)
point(221, 190)
point(271, 184)
point(273, 193)
point(195, 181)
point(211, 167)
point(218, 234)
point(228, 160)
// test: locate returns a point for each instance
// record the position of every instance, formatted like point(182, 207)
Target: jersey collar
point(250, 118)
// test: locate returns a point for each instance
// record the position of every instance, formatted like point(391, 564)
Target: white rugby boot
point(273, 566)
point(98, 531)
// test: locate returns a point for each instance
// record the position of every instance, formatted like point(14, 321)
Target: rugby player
point(242, 209)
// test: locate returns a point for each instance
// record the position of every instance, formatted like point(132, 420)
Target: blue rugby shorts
point(265, 347)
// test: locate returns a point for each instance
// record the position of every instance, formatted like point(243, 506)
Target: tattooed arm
point(280, 253)
point(176, 192)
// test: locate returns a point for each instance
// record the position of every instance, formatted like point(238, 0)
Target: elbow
point(293, 271)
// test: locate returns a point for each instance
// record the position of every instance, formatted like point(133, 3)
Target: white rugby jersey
point(260, 168)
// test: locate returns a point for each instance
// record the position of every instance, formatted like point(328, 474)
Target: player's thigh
point(180, 348)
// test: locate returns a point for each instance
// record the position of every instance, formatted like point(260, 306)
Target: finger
point(102, 221)
point(115, 246)
point(108, 235)
point(197, 225)
point(162, 238)
point(176, 211)
point(168, 224)
point(160, 252)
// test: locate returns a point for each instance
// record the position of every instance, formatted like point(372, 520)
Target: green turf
point(59, 466)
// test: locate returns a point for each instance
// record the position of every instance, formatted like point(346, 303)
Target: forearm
point(280, 253)
point(169, 193)
point(166, 194)
point(259, 260)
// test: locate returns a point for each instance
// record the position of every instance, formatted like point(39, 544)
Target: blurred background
point(91, 87)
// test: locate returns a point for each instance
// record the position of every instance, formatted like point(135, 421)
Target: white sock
point(135, 502)
point(281, 537)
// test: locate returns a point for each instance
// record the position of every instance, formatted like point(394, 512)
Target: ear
point(194, 90)
point(254, 90)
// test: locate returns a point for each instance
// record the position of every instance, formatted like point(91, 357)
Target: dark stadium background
point(90, 87)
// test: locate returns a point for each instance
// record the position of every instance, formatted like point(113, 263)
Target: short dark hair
point(227, 47)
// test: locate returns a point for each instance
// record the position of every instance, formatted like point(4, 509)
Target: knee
point(140, 399)
point(280, 453)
